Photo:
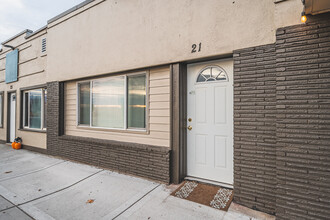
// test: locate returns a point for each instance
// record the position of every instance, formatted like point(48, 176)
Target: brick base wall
point(255, 127)
point(35, 149)
point(303, 120)
point(282, 123)
point(142, 160)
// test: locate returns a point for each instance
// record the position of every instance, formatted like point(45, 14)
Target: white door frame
point(11, 116)
point(230, 71)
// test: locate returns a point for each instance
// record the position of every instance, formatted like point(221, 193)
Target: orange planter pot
point(18, 146)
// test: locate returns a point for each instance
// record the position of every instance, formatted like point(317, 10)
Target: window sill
point(133, 131)
point(33, 130)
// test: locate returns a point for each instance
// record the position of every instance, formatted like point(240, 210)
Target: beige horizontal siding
point(158, 132)
point(161, 113)
point(160, 90)
point(159, 98)
point(159, 105)
point(159, 82)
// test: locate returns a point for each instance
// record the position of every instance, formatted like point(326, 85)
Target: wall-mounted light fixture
point(303, 18)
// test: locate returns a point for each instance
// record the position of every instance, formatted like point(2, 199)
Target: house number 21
point(194, 48)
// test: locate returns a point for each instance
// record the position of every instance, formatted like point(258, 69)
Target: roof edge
point(30, 34)
point(74, 8)
point(20, 33)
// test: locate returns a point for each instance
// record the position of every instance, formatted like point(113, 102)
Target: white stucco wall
point(121, 35)
point(31, 67)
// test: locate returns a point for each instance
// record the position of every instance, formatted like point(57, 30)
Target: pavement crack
point(75, 183)
point(13, 205)
point(60, 189)
point(34, 171)
point(136, 201)
point(25, 213)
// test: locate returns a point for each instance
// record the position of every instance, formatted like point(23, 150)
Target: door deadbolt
point(189, 119)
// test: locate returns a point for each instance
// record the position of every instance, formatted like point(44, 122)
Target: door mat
point(210, 195)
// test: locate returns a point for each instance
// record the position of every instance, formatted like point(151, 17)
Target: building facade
point(228, 92)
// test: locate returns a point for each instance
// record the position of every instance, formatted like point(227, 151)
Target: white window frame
point(42, 128)
point(215, 81)
point(125, 127)
point(78, 103)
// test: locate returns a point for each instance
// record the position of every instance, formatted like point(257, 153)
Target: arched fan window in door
point(212, 73)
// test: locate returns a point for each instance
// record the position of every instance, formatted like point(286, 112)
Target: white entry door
point(12, 117)
point(210, 121)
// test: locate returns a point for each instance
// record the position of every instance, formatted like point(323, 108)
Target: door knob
point(189, 128)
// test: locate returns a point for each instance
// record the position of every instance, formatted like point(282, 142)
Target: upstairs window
point(117, 102)
point(11, 66)
point(34, 109)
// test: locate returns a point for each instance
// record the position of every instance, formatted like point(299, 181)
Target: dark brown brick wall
point(142, 160)
point(255, 127)
point(303, 120)
point(282, 123)
point(35, 149)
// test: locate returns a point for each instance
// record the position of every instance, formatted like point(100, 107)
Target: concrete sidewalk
point(36, 186)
